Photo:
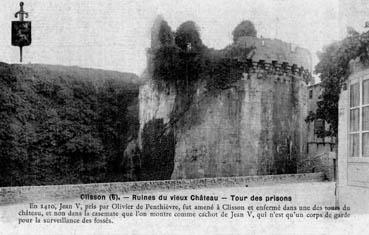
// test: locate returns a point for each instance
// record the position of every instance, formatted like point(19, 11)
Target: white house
point(353, 140)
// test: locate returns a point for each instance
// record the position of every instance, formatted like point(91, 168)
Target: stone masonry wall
point(253, 128)
point(256, 127)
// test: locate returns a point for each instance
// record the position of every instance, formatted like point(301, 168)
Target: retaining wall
point(57, 192)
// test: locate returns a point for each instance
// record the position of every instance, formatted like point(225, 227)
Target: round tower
point(254, 126)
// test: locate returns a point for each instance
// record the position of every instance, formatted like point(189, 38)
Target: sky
point(114, 34)
point(353, 13)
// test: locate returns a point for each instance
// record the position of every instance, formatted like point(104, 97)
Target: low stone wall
point(55, 192)
point(324, 162)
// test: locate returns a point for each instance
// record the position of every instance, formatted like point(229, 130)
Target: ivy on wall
point(183, 59)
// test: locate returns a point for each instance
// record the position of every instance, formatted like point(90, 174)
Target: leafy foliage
point(175, 62)
point(188, 60)
point(165, 34)
point(245, 28)
point(333, 69)
point(187, 33)
point(158, 151)
point(57, 127)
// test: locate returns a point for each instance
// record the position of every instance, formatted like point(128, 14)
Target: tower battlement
point(273, 68)
point(274, 51)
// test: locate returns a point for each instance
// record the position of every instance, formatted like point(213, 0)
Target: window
point(310, 94)
point(359, 119)
point(319, 127)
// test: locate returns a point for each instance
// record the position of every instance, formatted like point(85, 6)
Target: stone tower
point(254, 127)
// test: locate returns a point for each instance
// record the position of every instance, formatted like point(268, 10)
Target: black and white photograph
point(184, 117)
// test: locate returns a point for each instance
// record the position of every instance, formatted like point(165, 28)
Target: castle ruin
point(254, 126)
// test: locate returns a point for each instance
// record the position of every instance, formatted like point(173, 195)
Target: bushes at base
point(58, 128)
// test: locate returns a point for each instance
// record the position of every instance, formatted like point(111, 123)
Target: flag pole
point(21, 53)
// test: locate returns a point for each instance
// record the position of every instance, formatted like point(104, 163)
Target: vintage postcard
point(184, 117)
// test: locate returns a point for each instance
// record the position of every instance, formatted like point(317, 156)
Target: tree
point(186, 33)
point(245, 28)
point(165, 34)
point(333, 69)
point(181, 61)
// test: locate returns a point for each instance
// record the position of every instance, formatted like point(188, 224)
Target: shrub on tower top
point(245, 28)
point(188, 35)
